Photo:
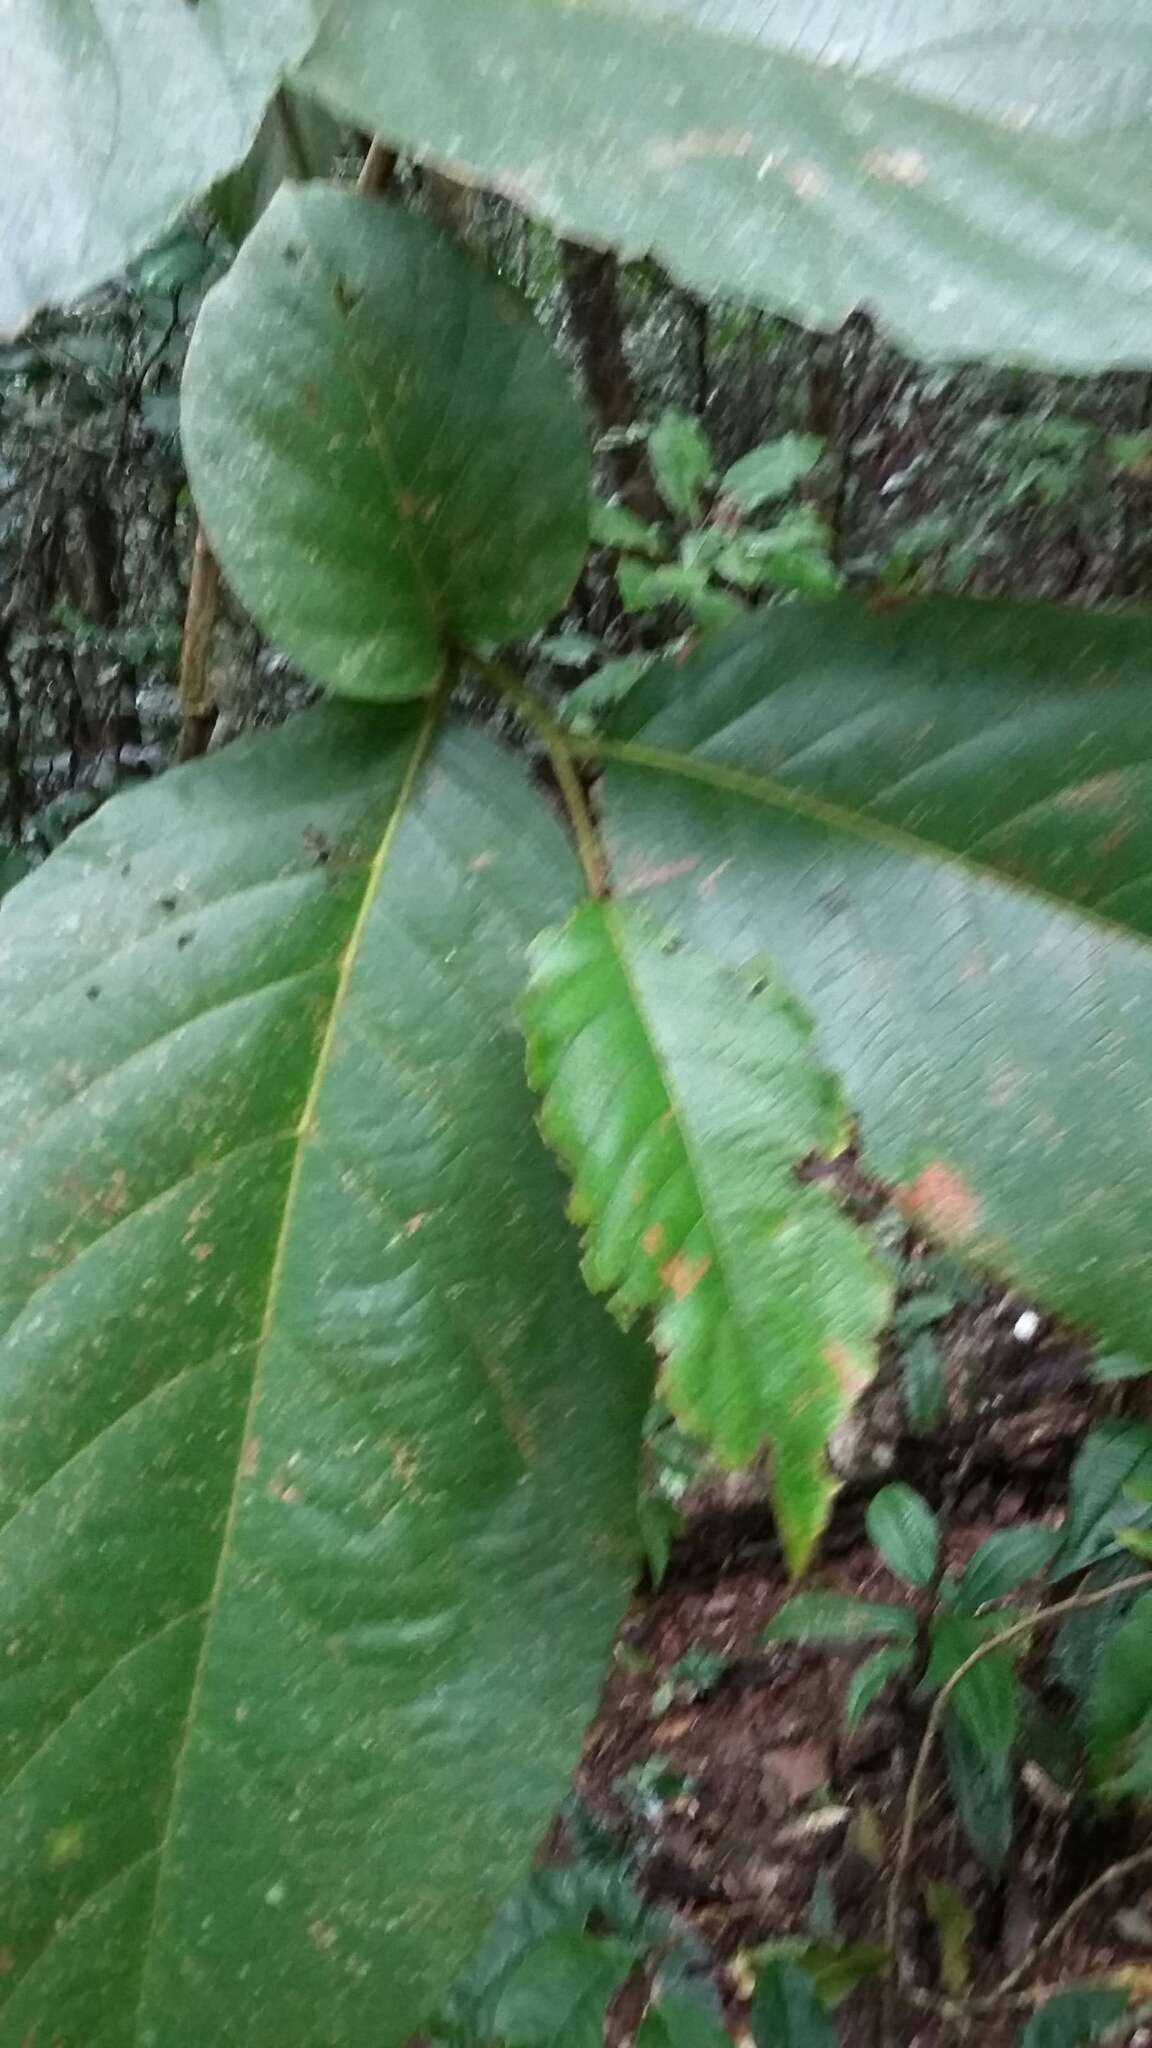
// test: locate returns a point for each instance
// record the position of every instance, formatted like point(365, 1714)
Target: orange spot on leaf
point(682, 1276)
point(653, 1239)
point(939, 1202)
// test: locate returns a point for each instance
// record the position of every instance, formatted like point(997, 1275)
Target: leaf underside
point(683, 1098)
point(114, 118)
point(319, 1472)
point(937, 820)
point(980, 183)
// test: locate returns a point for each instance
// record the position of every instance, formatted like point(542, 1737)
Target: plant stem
point(1020, 1629)
point(563, 762)
point(378, 168)
point(197, 708)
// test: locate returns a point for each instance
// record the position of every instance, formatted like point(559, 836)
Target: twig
point(378, 168)
point(896, 1981)
point(563, 767)
point(197, 705)
point(1115, 1871)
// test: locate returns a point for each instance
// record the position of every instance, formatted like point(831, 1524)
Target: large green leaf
point(683, 1098)
point(977, 174)
point(319, 1462)
point(114, 117)
point(383, 448)
point(937, 821)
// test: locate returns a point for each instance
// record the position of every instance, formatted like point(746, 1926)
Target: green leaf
point(871, 1679)
point(786, 2012)
point(320, 1464)
point(1074, 2018)
point(13, 867)
point(681, 460)
point(563, 1899)
point(572, 650)
point(834, 1618)
point(954, 1920)
point(922, 1383)
point(642, 589)
point(1082, 1639)
point(770, 472)
point(297, 139)
point(114, 119)
point(680, 2021)
point(1110, 1366)
point(979, 180)
point(383, 449)
point(1134, 1781)
point(614, 526)
point(1120, 1700)
point(1005, 1561)
point(1114, 1458)
point(905, 1532)
point(833, 1968)
point(557, 1996)
point(936, 820)
point(181, 259)
point(608, 686)
point(987, 1699)
point(768, 1301)
point(981, 1785)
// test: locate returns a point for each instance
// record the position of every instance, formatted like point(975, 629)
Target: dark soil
point(763, 1795)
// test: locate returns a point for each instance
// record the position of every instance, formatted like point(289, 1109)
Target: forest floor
point(747, 1811)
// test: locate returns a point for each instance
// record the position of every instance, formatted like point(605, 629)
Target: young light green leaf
point(906, 1533)
point(608, 686)
point(770, 472)
point(572, 650)
point(317, 1487)
point(1003, 1562)
point(1074, 2018)
point(954, 1920)
point(767, 1300)
point(786, 2012)
point(614, 525)
point(870, 1680)
point(818, 741)
point(834, 1618)
point(383, 449)
point(642, 589)
point(557, 1995)
point(681, 461)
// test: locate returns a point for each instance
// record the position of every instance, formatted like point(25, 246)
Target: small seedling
point(692, 1677)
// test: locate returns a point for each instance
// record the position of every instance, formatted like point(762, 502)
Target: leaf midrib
point(640, 1011)
point(304, 1127)
point(854, 824)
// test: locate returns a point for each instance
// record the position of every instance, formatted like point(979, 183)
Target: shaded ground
point(739, 1806)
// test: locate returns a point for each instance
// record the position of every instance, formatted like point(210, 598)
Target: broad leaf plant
point(319, 1417)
